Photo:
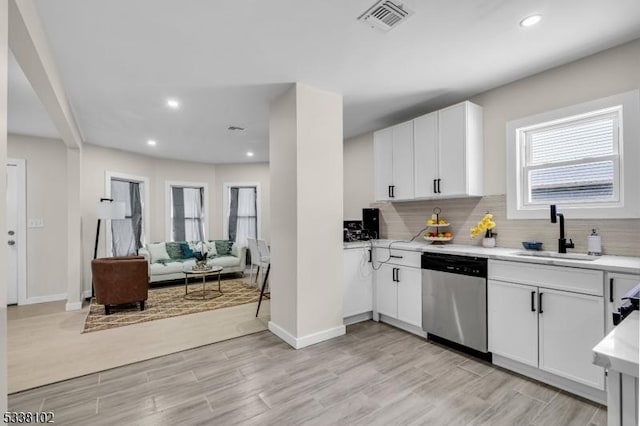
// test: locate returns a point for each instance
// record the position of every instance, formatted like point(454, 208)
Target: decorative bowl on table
point(532, 245)
point(201, 261)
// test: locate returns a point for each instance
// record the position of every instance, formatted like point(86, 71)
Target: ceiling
point(120, 60)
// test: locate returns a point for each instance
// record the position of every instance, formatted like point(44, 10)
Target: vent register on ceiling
point(385, 15)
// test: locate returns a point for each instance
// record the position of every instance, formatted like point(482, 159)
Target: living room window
point(242, 212)
point(128, 234)
point(575, 157)
point(187, 211)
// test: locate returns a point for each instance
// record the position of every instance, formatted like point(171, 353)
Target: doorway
point(16, 232)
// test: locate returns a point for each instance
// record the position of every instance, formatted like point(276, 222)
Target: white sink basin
point(554, 255)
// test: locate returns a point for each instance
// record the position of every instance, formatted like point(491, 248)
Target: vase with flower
point(485, 226)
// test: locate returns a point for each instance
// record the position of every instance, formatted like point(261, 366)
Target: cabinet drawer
point(577, 280)
point(398, 257)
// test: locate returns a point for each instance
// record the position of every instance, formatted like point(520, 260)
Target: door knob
point(11, 242)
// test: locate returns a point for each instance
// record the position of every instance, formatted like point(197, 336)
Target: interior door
point(11, 234)
point(512, 317)
point(570, 326)
point(452, 135)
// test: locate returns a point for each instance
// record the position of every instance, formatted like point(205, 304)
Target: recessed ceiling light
point(151, 142)
point(172, 103)
point(530, 21)
point(249, 154)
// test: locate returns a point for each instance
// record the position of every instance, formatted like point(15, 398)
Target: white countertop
point(623, 264)
point(356, 244)
point(618, 351)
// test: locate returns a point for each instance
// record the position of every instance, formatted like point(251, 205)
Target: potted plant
point(486, 226)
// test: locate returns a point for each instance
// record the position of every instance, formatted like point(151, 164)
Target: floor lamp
point(106, 209)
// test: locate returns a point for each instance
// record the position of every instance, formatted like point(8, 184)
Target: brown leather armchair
point(120, 280)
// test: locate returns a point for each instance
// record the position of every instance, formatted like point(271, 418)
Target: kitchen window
point(575, 158)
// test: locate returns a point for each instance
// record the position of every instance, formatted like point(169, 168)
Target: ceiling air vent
point(385, 15)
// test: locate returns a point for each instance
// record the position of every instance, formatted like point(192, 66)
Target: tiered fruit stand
point(436, 223)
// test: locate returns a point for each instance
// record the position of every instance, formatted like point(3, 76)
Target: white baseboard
point(366, 316)
point(418, 331)
point(44, 299)
point(308, 340)
point(74, 306)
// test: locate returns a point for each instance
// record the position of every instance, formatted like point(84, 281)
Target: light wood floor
point(374, 375)
point(45, 344)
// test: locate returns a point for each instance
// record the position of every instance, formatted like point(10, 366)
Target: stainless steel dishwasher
point(454, 301)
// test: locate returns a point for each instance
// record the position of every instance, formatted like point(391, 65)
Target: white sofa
point(172, 270)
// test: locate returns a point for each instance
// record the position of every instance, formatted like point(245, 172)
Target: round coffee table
point(204, 294)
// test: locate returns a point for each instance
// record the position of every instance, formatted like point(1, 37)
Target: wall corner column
point(74, 230)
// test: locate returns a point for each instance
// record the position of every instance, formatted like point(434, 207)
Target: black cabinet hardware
point(397, 275)
point(611, 290)
point(533, 296)
point(439, 186)
point(393, 191)
point(370, 256)
point(435, 190)
point(389, 191)
point(540, 303)
point(395, 256)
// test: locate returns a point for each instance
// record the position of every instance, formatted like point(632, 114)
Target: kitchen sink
point(554, 255)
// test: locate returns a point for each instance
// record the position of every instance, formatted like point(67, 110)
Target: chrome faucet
point(563, 245)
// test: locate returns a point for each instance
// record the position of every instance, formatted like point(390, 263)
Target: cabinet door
point(426, 155)
point(386, 291)
point(403, 161)
point(570, 326)
point(410, 295)
point(452, 161)
point(616, 286)
point(383, 163)
point(512, 317)
point(358, 282)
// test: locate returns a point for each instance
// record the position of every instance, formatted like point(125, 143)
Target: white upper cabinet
point(449, 152)
point(438, 155)
point(393, 153)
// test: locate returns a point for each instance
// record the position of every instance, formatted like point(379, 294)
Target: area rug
point(170, 302)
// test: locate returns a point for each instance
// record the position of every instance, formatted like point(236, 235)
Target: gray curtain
point(177, 196)
point(233, 213)
point(136, 213)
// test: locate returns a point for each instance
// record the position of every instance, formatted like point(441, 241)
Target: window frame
point(226, 187)
point(109, 175)
point(168, 208)
point(628, 154)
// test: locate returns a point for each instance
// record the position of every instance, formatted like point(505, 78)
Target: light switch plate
point(35, 223)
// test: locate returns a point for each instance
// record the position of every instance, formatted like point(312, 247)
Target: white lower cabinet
point(398, 292)
point(358, 282)
point(409, 281)
point(548, 329)
point(386, 291)
point(513, 321)
point(616, 286)
point(570, 326)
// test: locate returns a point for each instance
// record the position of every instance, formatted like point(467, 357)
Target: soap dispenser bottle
point(595, 243)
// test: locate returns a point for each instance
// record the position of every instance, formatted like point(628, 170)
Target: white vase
point(489, 242)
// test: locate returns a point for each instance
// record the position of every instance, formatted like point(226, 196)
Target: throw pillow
point(174, 250)
point(211, 248)
point(158, 251)
point(187, 253)
point(223, 247)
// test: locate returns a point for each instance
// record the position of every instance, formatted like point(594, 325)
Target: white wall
point(46, 161)
point(358, 175)
point(239, 173)
point(606, 73)
point(305, 149)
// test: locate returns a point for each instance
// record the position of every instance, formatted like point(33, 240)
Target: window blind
point(575, 161)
